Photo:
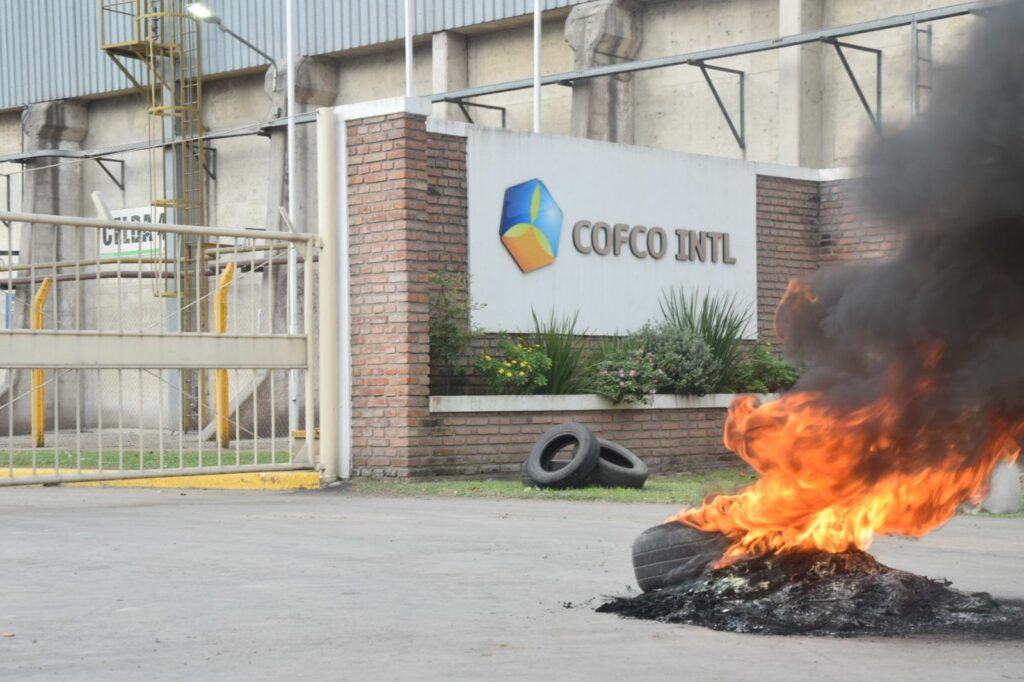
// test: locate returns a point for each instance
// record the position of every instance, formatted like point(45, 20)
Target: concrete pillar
point(55, 188)
point(604, 32)
point(450, 70)
point(800, 86)
point(316, 85)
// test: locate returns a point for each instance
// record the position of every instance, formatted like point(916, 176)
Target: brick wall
point(848, 232)
point(495, 443)
point(408, 216)
point(388, 199)
point(787, 242)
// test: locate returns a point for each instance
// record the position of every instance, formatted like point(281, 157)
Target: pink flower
point(632, 373)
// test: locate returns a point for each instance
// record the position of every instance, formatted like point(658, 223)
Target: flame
point(834, 477)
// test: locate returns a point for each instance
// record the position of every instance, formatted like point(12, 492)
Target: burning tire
point(576, 471)
point(673, 552)
point(618, 467)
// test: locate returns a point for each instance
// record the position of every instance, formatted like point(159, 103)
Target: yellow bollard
point(38, 385)
point(220, 376)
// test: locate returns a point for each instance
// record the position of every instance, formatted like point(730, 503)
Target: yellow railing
point(220, 377)
point(38, 384)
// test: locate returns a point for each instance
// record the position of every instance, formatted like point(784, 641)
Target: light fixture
point(203, 13)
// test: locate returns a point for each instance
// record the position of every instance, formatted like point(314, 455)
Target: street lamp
point(202, 13)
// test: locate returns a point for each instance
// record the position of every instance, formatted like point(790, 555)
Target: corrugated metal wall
point(49, 49)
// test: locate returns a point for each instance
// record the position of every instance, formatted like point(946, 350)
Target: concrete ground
point(128, 584)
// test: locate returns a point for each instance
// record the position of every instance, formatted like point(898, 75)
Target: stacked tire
point(571, 456)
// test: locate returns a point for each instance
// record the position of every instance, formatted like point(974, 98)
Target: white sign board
point(135, 240)
point(564, 225)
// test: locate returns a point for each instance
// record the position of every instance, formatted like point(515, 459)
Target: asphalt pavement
point(129, 584)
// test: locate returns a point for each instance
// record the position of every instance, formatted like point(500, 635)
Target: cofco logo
point(531, 225)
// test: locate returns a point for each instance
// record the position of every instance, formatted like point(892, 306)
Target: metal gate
point(143, 349)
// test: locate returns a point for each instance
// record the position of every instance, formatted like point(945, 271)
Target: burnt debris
point(820, 594)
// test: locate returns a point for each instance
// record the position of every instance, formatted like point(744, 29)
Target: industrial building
point(145, 111)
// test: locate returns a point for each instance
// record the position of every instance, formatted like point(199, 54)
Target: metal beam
point(693, 58)
point(26, 349)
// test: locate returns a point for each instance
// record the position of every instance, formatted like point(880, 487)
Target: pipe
point(220, 376)
point(536, 64)
point(334, 350)
point(38, 384)
point(293, 259)
point(165, 228)
point(408, 48)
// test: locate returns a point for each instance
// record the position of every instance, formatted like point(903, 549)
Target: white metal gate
point(144, 349)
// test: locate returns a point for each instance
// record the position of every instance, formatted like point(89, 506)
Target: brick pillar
point(390, 264)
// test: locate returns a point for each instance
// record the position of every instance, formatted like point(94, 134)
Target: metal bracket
point(103, 161)
point(463, 104)
point(210, 162)
point(920, 85)
point(876, 114)
point(139, 87)
point(739, 133)
point(7, 193)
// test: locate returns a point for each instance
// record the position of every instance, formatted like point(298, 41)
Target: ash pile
point(815, 593)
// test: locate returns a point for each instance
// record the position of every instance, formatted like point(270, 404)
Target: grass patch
point(681, 489)
point(130, 460)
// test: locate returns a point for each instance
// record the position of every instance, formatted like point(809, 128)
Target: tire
point(553, 465)
point(618, 467)
point(577, 470)
point(673, 553)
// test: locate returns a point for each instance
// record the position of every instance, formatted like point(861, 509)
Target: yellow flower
point(507, 363)
point(522, 374)
point(487, 358)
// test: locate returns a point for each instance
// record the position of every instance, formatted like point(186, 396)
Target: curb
point(269, 480)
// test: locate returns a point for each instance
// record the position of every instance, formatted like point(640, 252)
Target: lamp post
point(202, 13)
point(206, 15)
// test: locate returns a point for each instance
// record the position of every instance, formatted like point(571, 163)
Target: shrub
point(719, 319)
point(516, 369)
point(762, 372)
point(685, 358)
point(450, 331)
point(567, 348)
point(627, 374)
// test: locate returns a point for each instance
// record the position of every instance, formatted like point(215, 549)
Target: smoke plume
point(943, 322)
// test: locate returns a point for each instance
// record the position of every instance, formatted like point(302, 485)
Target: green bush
point(627, 374)
point(567, 348)
point(719, 319)
point(518, 368)
point(685, 358)
point(450, 332)
point(762, 372)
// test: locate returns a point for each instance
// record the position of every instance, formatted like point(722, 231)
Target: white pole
point(408, 48)
point(334, 431)
point(536, 65)
point(293, 261)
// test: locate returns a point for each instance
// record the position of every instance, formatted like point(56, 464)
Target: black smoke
point(951, 183)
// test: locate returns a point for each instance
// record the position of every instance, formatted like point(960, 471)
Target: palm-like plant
point(568, 350)
point(719, 319)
